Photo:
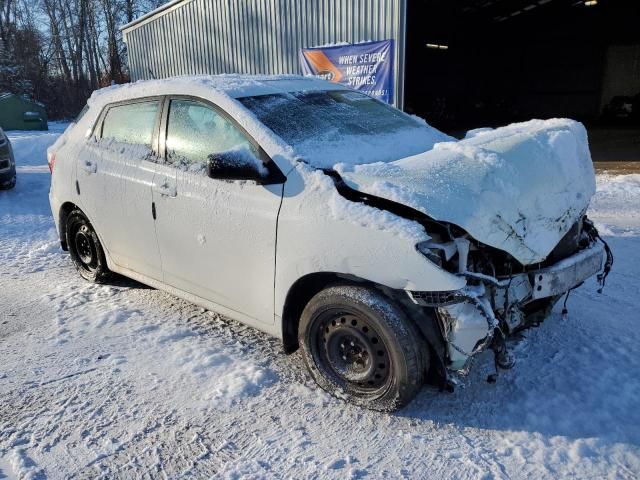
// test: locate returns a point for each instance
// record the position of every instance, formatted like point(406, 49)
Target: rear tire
point(9, 185)
point(359, 346)
point(85, 249)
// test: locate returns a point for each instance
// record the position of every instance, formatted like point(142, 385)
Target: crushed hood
point(518, 188)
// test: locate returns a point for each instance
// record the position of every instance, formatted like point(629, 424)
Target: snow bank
point(519, 188)
point(612, 192)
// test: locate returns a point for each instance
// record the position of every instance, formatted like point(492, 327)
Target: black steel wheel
point(360, 346)
point(349, 344)
point(85, 249)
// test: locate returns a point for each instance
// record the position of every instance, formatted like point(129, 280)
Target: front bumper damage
point(488, 309)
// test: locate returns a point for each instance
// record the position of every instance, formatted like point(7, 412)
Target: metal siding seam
point(162, 35)
point(270, 47)
point(190, 65)
point(154, 37)
point(204, 22)
point(289, 44)
point(263, 45)
point(251, 35)
point(285, 37)
point(256, 18)
point(277, 15)
point(147, 39)
point(236, 41)
point(200, 52)
point(258, 22)
point(191, 60)
point(150, 53)
point(130, 56)
point(239, 43)
point(266, 48)
point(221, 31)
point(233, 65)
point(204, 40)
point(166, 38)
point(174, 45)
point(214, 41)
point(175, 20)
point(297, 37)
point(231, 35)
point(246, 51)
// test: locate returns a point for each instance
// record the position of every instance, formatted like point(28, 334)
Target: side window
point(195, 131)
point(133, 123)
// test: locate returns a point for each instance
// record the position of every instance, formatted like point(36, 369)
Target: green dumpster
point(19, 113)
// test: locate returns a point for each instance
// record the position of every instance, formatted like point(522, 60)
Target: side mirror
point(236, 164)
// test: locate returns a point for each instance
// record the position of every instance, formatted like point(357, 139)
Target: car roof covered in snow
point(233, 86)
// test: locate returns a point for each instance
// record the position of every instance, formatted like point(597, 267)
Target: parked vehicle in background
point(7, 163)
point(388, 251)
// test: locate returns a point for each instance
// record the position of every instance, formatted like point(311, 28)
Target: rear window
point(133, 123)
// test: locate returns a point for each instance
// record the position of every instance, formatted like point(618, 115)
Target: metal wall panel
point(256, 36)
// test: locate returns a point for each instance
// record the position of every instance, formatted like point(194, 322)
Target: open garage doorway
point(477, 63)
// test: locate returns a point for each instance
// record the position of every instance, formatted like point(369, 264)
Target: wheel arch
point(65, 209)
point(299, 295)
point(306, 287)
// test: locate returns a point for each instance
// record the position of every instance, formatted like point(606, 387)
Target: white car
point(388, 251)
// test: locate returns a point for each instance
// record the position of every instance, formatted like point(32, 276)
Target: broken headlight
point(438, 252)
point(432, 253)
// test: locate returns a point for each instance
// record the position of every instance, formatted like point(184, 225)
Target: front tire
point(358, 345)
point(85, 249)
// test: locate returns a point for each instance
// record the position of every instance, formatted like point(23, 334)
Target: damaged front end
point(503, 296)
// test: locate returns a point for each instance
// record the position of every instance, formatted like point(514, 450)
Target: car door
point(216, 238)
point(116, 178)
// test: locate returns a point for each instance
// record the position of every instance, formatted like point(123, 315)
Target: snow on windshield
point(341, 126)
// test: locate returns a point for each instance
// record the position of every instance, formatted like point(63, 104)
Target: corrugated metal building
point(460, 64)
point(256, 36)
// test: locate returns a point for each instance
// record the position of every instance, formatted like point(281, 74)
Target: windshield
point(342, 126)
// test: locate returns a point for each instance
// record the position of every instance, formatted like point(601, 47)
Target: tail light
point(51, 160)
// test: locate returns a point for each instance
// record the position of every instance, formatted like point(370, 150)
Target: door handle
point(166, 189)
point(89, 166)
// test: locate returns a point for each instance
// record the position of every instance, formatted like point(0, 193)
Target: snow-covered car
point(388, 251)
point(7, 163)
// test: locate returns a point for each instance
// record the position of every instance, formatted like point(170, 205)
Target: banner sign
point(367, 67)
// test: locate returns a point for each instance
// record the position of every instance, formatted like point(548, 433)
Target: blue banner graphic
point(367, 67)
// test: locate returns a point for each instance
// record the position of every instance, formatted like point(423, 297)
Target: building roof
point(153, 13)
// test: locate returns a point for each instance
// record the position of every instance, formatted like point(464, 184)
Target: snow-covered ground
point(122, 381)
